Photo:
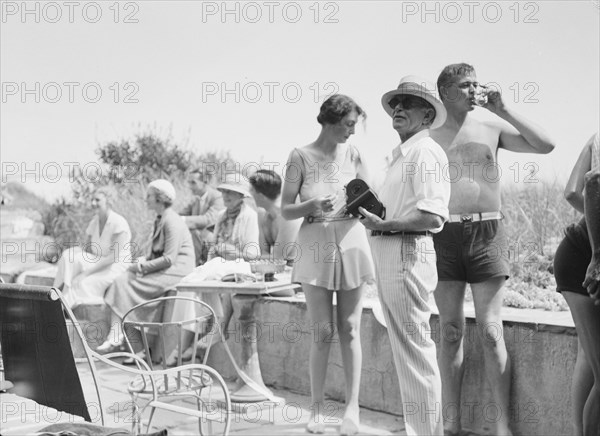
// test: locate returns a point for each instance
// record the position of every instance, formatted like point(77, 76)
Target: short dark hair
point(201, 174)
point(337, 107)
point(451, 71)
point(267, 182)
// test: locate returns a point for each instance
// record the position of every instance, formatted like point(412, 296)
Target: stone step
point(12, 268)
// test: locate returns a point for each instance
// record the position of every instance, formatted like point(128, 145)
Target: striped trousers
point(406, 277)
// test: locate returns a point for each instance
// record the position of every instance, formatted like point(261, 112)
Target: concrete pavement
point(289, 418)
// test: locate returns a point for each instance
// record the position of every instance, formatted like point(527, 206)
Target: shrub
point(133, 164)
point(16, 196)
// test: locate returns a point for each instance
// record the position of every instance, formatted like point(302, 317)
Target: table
point(24, 416)
point(246, 295)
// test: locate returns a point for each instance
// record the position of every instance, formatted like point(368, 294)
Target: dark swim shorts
point(472, 252)
point(572, 258)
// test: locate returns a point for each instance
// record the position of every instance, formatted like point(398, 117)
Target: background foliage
point(128, 167)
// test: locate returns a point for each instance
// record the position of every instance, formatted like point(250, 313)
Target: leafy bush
point(148, 157)
point(16, 196)
point(132, 165)
point(536, 215)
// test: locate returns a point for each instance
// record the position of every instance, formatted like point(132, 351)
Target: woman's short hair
point(337, 107)
point(107, 193)
point(267, 182)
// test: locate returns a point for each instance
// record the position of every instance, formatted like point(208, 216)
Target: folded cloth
point(216, 269)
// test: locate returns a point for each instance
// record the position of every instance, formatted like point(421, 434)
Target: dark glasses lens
point(408, 102)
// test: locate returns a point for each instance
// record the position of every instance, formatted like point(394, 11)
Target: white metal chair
point(48, 302)
point(159, 335)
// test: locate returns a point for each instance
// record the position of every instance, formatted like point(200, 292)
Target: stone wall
point(542, 355)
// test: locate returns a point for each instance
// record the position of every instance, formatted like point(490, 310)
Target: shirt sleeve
point(431, 184)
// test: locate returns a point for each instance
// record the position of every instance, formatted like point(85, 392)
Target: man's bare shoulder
point(472, 131)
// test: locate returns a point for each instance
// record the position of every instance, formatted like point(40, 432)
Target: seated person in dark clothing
point(201, 214)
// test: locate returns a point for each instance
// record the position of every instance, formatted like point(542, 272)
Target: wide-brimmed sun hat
point(235, 182)
point(165, 187)
point(414, 85)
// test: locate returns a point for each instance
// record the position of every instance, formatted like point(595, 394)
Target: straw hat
point(235, 182)
point(413, 85)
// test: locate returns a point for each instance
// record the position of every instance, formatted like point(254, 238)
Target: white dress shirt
point(417, 179)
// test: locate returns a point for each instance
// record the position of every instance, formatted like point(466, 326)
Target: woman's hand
point(592, 280)
point(323, 204)
point(370, 220)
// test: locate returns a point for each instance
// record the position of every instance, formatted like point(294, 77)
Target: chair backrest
point(36, 349)
point(151, 323)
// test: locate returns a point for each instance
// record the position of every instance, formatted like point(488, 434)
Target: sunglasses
point(408, 102)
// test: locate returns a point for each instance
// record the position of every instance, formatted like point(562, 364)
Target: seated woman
point(277, 235)
point(171, 258)
point(236, 233)
point(84, 273)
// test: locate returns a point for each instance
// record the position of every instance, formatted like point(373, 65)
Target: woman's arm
point(574, 190)
point(173, 237)
point(362, 171)
point(592, 217)
point(292, 183)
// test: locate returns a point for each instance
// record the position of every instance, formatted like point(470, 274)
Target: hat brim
point(440, 110)
point(234, 188)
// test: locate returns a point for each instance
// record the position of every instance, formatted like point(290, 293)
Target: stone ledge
point(542, 356)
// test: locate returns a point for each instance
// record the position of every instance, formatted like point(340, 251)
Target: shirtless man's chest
point(472, 166)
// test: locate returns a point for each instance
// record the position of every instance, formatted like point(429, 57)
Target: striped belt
point(475, 217)
point(380, 233)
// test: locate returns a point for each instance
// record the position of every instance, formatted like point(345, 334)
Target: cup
point(481, 93)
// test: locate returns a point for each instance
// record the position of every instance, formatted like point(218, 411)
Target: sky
point(249, 77)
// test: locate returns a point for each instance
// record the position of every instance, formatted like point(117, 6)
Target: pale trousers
point(406, 277)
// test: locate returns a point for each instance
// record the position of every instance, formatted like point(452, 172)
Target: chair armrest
point(106, 359)
point(145, 372)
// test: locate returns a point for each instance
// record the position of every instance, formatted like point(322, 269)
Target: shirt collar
point(403, 148)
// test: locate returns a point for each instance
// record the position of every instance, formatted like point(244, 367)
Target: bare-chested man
point(472, 248)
